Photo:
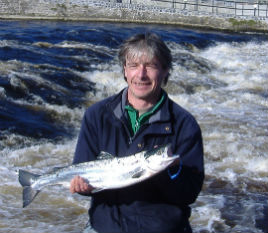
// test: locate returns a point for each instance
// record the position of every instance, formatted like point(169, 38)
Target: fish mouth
point(163, 164)
point(170, 158)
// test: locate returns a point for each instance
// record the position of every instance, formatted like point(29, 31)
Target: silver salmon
point(107, 172)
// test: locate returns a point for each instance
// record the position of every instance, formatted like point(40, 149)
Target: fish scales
point(108, 172)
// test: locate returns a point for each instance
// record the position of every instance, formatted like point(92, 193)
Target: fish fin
point(28, 195)
point(54, 169)
point(138, 174)
point(105, 155)
point(25, 179)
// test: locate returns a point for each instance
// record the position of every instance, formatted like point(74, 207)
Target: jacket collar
point(120, 101)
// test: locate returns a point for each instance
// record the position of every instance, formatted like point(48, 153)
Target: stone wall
point(10, 6)
point(120, 11)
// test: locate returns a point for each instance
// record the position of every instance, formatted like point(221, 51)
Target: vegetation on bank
point(246, 25)
point(238, 23)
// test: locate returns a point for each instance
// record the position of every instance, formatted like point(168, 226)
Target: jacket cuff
point(175, 175)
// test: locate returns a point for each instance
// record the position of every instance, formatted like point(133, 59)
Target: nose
point(142, 71)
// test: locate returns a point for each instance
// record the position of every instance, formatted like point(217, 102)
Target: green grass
point(238, 23)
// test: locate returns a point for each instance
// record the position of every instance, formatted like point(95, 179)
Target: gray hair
point(148, 43)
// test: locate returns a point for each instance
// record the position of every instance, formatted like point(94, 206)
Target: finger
point(74, 185)
point(85, 186)
point(79, 184)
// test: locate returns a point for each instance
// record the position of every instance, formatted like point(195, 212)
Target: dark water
point(51, 71)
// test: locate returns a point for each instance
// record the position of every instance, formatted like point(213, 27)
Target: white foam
point(204, 217)
point(42, 156)
point(2, 92)
point(107, 82)
point(259, 165)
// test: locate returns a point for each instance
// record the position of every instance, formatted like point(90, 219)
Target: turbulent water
point(51, 71)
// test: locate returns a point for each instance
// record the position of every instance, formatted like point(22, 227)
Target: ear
point(125, 72)
point(165, 75)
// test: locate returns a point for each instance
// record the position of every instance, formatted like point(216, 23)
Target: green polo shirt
point(137, 121)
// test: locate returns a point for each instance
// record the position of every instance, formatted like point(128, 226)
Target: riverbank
point(130, 13)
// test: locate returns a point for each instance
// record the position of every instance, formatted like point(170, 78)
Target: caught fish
point(107, 172)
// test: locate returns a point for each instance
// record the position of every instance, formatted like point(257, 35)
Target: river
point(50, 72)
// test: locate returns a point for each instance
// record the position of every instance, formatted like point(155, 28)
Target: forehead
point(141, 56)
point(137, 54)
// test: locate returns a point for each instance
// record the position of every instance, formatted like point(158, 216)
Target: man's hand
point(80, 185)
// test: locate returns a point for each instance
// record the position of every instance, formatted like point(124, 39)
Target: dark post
point(255, 8)
point(185, 2)
point(258, 8)
point(266, 10)
point(235, 8)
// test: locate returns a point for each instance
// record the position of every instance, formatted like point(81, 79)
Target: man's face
point(144, 77)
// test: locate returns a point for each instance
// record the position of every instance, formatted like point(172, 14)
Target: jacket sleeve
point(87, 144)
point(184, 188)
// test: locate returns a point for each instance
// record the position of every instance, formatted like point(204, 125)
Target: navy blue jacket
point(160, 204)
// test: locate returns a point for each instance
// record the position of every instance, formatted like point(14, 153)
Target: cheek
point(128, 77)
point(128, 73)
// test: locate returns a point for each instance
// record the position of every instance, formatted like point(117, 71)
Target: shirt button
point(167, 128)
point(139, 145)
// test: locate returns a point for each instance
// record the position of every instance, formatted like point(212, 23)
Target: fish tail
point(29, 193)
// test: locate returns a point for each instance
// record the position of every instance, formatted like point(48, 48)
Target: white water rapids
point(224, 85)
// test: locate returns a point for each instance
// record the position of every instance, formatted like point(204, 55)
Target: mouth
point(141, 84)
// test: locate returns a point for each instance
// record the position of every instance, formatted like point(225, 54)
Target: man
point(142, 117)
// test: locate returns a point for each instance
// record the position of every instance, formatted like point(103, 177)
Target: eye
point(152, 66)
point(132, 65)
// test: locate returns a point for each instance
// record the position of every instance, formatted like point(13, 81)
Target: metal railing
point(226, 8)
point(236, 8)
